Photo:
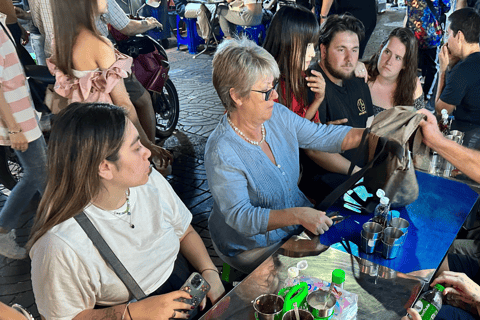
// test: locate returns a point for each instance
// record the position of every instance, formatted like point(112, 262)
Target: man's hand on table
point(314, 221)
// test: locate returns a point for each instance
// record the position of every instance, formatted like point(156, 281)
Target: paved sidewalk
point(200, 111)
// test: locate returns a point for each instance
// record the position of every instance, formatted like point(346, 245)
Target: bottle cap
point(439, 287)
point(338, 276)
point(380, 193)
point(292, 272)
point(302, 265)
point(384, 200)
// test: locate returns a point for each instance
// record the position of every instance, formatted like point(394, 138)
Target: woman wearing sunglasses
point(252, 159)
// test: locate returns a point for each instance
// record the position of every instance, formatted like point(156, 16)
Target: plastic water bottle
point(430, 303)
point(338, 277)
point(382, 210)
point(444, 124)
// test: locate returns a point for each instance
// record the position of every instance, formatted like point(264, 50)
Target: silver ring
point(409, 316)
point(174, 314)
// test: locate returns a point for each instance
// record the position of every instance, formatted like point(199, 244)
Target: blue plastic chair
point(255, 33)
point(192, 40)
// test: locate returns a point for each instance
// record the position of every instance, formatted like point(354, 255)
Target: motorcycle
point(150, 66)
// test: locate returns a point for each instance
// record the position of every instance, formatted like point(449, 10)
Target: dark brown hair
point(291, 30)
point(407, 78)
point(69, 17)
point(82, 137)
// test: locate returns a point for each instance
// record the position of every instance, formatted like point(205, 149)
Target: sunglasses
point(268, 92)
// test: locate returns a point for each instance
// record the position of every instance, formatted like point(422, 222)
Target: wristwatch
point(323, 17)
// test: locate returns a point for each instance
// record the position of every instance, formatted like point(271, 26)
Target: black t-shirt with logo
point(352, 101)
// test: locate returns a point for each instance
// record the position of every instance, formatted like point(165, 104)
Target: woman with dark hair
point(392, 72)
point(98, 165)
point(291, 40)
point(86, 66)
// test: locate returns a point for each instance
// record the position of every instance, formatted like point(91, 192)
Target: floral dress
point(423, 22)
point(94, 85)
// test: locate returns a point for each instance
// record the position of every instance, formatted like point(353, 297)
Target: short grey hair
point(239, 64)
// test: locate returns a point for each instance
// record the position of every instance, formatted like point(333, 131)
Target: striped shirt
point(14, 86)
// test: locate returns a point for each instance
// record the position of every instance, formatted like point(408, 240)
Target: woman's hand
point(161, 307)
point(162, 157)
point(361, 71)
point(314, 221)
point(217, 291)
point(460, 287)
point(19, 142)
point(412, 314)
point(316, 83)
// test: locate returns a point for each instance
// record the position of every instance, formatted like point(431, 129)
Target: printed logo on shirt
point(361, 107)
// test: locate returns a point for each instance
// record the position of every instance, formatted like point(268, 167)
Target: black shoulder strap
point(109, 256)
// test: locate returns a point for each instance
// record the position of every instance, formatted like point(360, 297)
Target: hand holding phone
point(197, 287)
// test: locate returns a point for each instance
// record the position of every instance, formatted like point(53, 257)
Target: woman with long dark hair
point(86, 66)
point(291, 40)
point(98, 165)
point(392, 72)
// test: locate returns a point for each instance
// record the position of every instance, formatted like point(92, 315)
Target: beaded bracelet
point(15, 132)
point(210, 270)
point(125, 311)
point(22, 310)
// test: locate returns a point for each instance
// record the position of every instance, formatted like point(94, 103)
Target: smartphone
point(197, 287)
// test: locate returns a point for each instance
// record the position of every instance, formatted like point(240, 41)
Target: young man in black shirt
point(346, 100)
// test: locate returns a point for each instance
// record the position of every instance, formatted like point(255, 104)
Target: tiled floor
point(200, 111)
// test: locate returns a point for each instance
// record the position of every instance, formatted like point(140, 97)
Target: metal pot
point(318, 307)
point(268, 307)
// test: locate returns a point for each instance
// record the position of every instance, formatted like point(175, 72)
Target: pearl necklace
point(256, 143)
point(127, 211)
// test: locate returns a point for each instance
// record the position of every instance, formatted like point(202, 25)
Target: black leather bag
point(386, 149)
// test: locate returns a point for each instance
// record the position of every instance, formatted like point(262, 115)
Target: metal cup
point(268, 307)
point(401, 224)
point(372, 230)
point(448, 169)
point(317, 306)
point(458, 136)
point(368, 244)
point(304, 315)
point(392, 242)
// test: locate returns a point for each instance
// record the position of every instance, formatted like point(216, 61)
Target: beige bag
point(395, 172)
point(54, 101)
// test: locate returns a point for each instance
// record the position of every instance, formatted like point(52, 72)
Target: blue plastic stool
point(192, 40)
point(255, 33)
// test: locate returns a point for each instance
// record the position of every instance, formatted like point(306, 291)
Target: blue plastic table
point(435, 219)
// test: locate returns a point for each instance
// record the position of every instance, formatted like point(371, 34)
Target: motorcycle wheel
point(10, 169)
point(167, 109)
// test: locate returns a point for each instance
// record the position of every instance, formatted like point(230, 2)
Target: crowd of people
point(295, 109)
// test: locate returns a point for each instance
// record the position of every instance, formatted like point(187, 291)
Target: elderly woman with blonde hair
point(252, 159)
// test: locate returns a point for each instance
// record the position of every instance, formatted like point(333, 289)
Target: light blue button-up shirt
point(246, 185)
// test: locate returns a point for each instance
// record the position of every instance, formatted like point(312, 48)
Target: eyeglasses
point(268, 92)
